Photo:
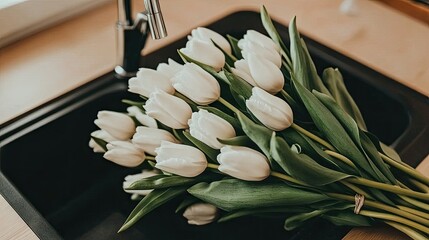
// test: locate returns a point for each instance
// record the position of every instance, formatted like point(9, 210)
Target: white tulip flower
point(241, 69)
point(119, 125)
point(124, 153)
point(201, 213)
point(243, 163)
point(272, 111)
point(208, 127)
point(130, 179)
point(266, 75)
point(169, 110)
point(196, 84)
point(148, 81)
point(207, 35)
point(204, 52)
point(148, 139)
point(260, 45)
point(103, 135)
point(169, 69)
point(144, 119)
point(179, 159)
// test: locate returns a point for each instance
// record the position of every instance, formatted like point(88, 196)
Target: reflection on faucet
point(131, 34)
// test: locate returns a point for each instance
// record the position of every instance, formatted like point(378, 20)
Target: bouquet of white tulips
point(248, 127)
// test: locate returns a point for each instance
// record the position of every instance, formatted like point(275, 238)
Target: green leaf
point(383, 148)
point(153, 200)
point(379, 169)
point(233, 121)
point(166, 181)
point(314, 151)
point(229, 59)
point(210, 152)
point(240, 100)
point(239, 85)
point(334, 82)
point(191, 103)
point(246, 212)
point(234, 45)
point(259, 134)
point(237, 141)
point(332, 129)
point(303, 67)
point(206, 67)
point(297, 220)
point(100, 142)
point(181, 137)
point(302, 167)
point(234, 194)
point(348, 218)
point(272, 32)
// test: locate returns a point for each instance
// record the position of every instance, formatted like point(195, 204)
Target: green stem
point(414, 211)
point(407, 230)
point(416, 203)
point(288, 178)
point(389, 188)
point(357, 189)
point(150, 158)
point(379, 206)
point(406, 169)
point(228, 105)
point(398, 219)
point(421, 186)
point(312, 136)
point(213, 166)
point(341, 158)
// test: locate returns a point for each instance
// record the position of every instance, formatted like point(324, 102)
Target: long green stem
point(394, 218)
point(288, 178)
point(357, 189)
point(416, 203)
point(312, 136)
point(389, 188)
point(341, 158)
point(379, 206)
point(406, 169)
point(414, 211)
point(421, 186)
point(150, 158)
point(228, 105)
point(407, 230)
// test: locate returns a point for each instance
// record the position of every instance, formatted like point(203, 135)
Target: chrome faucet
point(131, 34)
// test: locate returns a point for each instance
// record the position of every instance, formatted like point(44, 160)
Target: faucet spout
point(155, 19)
point(131, 34)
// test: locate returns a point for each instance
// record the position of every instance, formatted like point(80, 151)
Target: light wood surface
point(53, 62)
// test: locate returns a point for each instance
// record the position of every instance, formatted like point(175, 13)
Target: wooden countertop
point(51, 63)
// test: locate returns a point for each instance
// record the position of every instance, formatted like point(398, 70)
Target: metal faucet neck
point(131, 34)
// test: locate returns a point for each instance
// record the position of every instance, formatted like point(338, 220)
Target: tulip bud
point(243, 163)
point(272, 111)
point(124, 153)
point(119, 125)
point(266, 75)
point(130, 179)
point(260, 45)
point(206, 53)
point(148, 81)
point(169, 110)
point(242, 70)
point(144, 119)
point(169, 69)
point(196, 84)
point(208, 127)
point(148, 139)
point(207, 35)
point(201, 213)
point(179, 159)
point(103, 135)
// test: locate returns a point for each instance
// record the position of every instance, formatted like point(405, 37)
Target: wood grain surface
point(55, 61)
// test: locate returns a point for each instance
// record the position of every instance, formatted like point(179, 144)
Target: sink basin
point(62, 189)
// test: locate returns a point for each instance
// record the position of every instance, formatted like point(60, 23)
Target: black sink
point(62, 189)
